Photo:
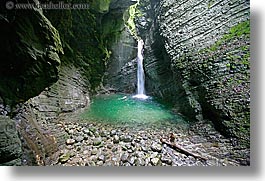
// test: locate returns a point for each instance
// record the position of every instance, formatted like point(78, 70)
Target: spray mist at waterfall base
point(125, 109)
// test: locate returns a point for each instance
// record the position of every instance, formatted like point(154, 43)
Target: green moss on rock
point(30, 52)
point(101, 6)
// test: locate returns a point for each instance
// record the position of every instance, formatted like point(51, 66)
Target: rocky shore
point(102, 144)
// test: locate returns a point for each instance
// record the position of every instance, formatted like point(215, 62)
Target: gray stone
point(101, 158)
point(116, 139)
point(97, 141)
point(124, 157)
point(155, 161)
point(94, 151)
point(10, 145)
point(156, 147)
point(131, 160)
point(70, 141)
point(166, 160)
point(126, 138)
point(86, 131)
point(79, 138)
point(113, 132)
point(139, 162)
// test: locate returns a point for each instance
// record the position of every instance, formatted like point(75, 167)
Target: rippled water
point(126, 109)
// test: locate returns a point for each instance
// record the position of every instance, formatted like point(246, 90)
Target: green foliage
point(210, 3)
point(241, 29)
point(101, 6)
point(129, 17)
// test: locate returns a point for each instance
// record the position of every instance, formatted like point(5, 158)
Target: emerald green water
point(125, 109)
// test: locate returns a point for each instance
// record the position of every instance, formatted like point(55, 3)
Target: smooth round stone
point(70, 141)
point(86, 131)
point(126, 164)
point(144, 148)
point(103, 134)
point(113, 132)
point(114, 149)
point(156, 147)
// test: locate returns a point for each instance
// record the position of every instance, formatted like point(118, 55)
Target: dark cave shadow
point(254, 170)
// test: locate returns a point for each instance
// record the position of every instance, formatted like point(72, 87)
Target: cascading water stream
point(140, 72)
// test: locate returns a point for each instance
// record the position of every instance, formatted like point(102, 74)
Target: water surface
point(124, 109)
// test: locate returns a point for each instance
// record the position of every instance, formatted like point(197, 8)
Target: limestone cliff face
point(120, 74)
point(196, 57)
point(38, 118)
point(208, 44)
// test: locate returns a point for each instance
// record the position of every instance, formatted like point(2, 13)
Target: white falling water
point(140, 72)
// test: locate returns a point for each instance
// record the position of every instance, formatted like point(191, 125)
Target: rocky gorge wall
point(39, 117)
point(196, 57)
point(208, 45)
point(30, 50)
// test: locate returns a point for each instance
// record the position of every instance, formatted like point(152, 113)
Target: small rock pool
point(125, 109)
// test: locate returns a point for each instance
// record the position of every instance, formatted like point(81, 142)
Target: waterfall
point(140, 72)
